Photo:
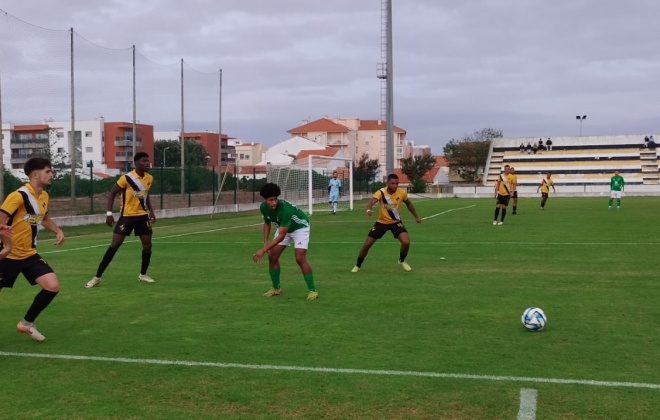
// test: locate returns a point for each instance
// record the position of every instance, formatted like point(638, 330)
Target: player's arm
point(5, 235)
point(539, 187)
point(281, 233)
point(553, 187)
point(109, 219)
point(50, 224)
point(370, 205)
point(412, 210)
point(497, 186)
point(152, 215)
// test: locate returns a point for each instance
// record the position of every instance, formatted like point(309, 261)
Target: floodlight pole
point(580, 118)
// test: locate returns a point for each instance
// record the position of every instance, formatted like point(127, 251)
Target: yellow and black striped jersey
point(389, 205)
point(26, 210)
point(134, 193)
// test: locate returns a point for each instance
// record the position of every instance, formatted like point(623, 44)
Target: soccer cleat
point(146, 279)
point(355, 269)
point(618, 207)
point(405, 266)
point(500, 223)
point(29, 329)
point(609, 208)
point(93, 282)
point(312, 295)
point(494, 222)
point(272, 292)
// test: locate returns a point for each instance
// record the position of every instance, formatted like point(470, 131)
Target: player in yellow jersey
point(26, 211)
point(136, 214)
point(504, 187)
point(514, 187)
point(546, 183)
point(389, 219)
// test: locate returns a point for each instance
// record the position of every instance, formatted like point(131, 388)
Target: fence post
point(189, 188)
point(160, 182)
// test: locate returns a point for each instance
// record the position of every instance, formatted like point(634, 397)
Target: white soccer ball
point(534, 319)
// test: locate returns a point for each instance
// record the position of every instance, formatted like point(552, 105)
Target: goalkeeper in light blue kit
point(334, 189)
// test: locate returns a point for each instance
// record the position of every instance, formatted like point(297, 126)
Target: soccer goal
point(306, 183)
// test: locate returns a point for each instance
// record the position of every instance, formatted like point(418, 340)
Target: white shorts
point(616, 194)
point(299, 237)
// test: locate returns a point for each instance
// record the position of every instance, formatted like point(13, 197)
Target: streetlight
point(580, 118)
point(165, 150)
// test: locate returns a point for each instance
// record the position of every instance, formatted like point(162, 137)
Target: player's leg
point(609, 205)
point(365, 250)
point(37, 271)
point(145, 239)
point(117, 240)
point(300, 239)
point(274, 269)
point(402, 235)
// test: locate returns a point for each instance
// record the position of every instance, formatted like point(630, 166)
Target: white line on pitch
point(527, 410)
point(447, 211)
point(611, 384)
point(56, 251)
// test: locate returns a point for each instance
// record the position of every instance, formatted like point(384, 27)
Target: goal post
point(305, 183)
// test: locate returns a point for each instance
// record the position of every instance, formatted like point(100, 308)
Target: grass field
point(442, 341)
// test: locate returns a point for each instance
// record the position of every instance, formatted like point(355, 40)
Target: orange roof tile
point(31, 127)
point(323, 125)
point(366, 125)
point(304, 153)
point(428, 177)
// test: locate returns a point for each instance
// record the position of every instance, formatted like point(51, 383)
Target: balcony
point(29, 144)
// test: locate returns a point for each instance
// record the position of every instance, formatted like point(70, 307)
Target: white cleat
point(29, 329)
point(93, 282)
point(146, 279)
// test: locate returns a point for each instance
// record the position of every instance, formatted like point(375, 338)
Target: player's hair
point(35, 164)
point(392, 176)
point(269, 190)
point(140, 155)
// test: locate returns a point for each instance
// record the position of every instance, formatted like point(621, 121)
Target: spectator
point(646, 141)
point(541, 146)
point(522, 147)
point(529, 148)
point(548, 143)
point(651, 143)
point(535, 148)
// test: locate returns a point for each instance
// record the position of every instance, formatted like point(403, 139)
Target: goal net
point(306, 183)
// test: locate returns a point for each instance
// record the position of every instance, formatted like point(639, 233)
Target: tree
point(415, 168)
point(169, 153)
point(364, 171)
point(470, 154)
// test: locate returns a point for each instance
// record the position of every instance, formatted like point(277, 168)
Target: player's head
point(616, 173)
point(549, 175)
point(334, 174)
point(507, 169)
point(269, 192)
point(39, 169)
point(512, 170)
point(392, 182)
point(141, 161)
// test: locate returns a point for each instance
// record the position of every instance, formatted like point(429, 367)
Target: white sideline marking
point(447, 211)
point(527, 410)
point(611, 384)
point(159, 238)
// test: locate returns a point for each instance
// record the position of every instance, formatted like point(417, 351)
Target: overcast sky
point(527, 67)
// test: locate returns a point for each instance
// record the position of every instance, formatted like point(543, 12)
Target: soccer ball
point(534, 319)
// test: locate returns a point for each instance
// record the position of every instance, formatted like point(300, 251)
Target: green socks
point(309, 279)
point(275, 277)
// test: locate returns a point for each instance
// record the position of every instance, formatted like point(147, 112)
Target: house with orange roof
point(355, 137)
point(439, 174)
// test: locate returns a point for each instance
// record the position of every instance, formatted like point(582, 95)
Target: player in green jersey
point(292, 227)
point(616, 190)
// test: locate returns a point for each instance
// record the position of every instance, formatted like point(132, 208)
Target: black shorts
point(379, 229)
point(140, 224)
point(544, 195)
point(515, 194)
point(503, 199)
point(32, 268)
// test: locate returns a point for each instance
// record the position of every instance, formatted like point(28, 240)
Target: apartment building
point(248, 153)
point(354, 137)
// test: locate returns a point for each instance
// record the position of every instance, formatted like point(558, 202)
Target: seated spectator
point(535, 148)
point(541, 146)
point(548, 143)
point(529, 148)
point(522, 147)
point(651, 143)
point(646, 141)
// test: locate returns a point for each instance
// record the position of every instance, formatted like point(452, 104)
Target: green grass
point(593, 271)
